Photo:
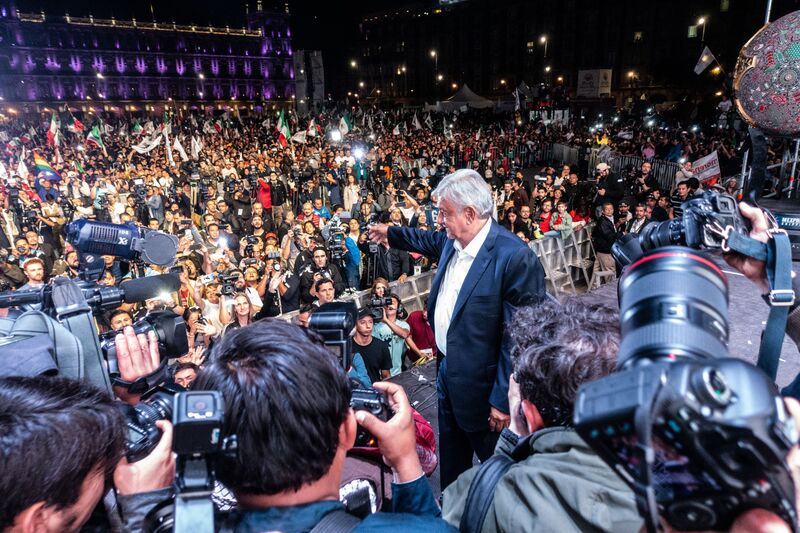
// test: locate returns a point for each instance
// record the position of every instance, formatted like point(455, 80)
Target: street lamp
point(454, 85)
point(201, 76)
point(361, 84)
point(547, 68)
point(435, 57)
point(702, 22)
point(353, 63)
point(439, 77)
point(560, 79)
point(502, 82)
point(543, 40)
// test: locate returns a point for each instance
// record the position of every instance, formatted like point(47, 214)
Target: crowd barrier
point(663, 171)
point(567, 265)
point(412, 293)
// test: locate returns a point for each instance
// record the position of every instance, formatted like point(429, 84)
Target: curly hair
point(556, 348)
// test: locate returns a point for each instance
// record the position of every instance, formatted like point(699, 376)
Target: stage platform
point(747, 315)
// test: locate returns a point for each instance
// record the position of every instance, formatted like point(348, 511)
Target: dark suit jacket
point(505, 274)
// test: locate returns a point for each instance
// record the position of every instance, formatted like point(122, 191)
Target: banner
point(594, 83)
point(706, 169)
point(147, 145)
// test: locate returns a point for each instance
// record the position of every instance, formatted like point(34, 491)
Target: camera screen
point(674, 476)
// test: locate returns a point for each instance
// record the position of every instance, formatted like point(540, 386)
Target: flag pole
point(768, 12)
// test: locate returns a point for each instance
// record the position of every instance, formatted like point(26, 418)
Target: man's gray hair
point(464, 188)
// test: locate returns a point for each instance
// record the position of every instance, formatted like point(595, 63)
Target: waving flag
point(95, 139)
point(74, 125)
point(706, 58)
point(283, 130)
point(416, 123)
point(345, 126)
point(137, 128)
point(52, 131)
point(43, 166)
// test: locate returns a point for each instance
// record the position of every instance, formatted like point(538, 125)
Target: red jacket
point(264, 194)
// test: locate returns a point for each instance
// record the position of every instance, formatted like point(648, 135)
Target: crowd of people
point(265, 227)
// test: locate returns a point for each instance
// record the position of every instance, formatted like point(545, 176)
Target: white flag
point(108, 129)
point(196, 147)
point(22, 169)
point(416, 123)
point(706, 58)
point(299, 137)
point(147, 145)
point(429, 121)
point(179, 147)
point(169, 148)
point(3, 136)
point(396, 130)
point(149, 127)
point(478, 135)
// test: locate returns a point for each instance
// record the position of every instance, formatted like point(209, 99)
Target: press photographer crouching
point(554, 480)
point(284, 486)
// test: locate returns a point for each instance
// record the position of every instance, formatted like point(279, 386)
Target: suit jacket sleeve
point(523, 284)
point(429, 243)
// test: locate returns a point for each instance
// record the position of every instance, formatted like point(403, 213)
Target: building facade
point(47, 59)
point(424, 51)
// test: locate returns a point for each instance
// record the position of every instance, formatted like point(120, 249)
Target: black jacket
point(604, 235)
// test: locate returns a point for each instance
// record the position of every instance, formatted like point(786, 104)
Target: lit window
point(692, 32)
point(724, 5)
point(637, 36)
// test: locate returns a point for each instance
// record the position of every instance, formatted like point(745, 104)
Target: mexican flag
point(345, 126)
point(95, 139)
point(218, 125)
point(312, 128)
point(77, 166)
point(283, 130)
point(52, 131)
point(137, 128)
point(74, 125)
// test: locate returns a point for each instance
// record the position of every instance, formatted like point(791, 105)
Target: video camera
point(376, 306)
point(698, 435)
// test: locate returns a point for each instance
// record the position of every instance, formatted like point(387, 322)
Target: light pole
point(702, 22)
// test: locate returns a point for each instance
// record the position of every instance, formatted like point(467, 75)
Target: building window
point(531, 46)
point(724, 5)
point(637, 36)
point(692, 33)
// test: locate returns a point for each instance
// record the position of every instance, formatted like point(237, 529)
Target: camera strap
point(777, 254)
point(780, 298)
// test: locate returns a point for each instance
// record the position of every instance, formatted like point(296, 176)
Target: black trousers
point(456, 446)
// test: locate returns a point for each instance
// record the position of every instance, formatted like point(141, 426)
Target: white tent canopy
point(464, 97)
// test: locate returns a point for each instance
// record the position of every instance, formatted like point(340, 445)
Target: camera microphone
point(127, 241)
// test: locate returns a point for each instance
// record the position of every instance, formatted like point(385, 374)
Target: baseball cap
point(363, 313)
point(270, 235)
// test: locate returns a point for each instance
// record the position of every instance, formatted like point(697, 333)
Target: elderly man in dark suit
point(485, 273)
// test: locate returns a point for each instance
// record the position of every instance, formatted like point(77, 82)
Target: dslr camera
point(228, 284)
point(698, 435)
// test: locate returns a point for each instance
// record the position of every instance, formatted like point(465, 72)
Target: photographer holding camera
point(319, 269)
point(281, 486)
point(394, 332)
point(556, 482)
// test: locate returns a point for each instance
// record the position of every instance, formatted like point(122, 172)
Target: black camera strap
point(643, 490)
point(777, 254)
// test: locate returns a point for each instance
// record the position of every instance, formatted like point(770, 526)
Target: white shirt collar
point(476, 243)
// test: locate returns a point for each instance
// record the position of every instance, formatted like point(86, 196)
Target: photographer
point(73, 436)
point(557, 481)
point(10, 272)
point(279, 289)
point(319, 269)
point(394, 332)
point(257, 369)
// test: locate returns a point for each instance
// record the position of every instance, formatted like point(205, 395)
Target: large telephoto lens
point(660, 234)
point(673, 304)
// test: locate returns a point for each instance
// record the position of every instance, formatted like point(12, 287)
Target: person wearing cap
point(610, 188)
point(373, 351)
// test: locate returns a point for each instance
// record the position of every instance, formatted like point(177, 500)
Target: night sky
point(340, 27)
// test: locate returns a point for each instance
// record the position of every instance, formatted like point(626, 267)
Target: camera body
point(376, 306)
point(372, 401)
point(142, 435)
point(170, 329)
point(706, 221)
point(700, 437)
point(228, 284)
point(197, 419)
